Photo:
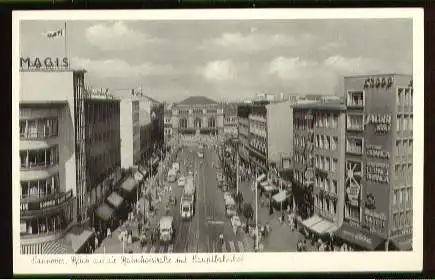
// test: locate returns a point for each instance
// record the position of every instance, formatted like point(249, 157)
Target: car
point(181, 181)
point(235, 221)
point(227, 195)
point(190, 172)
point(200, 155)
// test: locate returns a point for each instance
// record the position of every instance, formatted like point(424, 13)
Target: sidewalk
point(280, 238)
point(112, 245)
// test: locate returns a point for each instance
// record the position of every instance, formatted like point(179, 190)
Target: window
point(334, 142)
point(399, 96)
point(334, 165)
point(405, 122)
point(321, 141)
point(395, 197)
point(327, 163)
point(398, 148)
point(411, 123)
point(326, 183)
point(355, 122)
point(327, 146)
point(399, 120)
point(40, 188)
point(334, 187)
point(351, 213)
point(325, 120)
point(354, 145)
point(355, 99)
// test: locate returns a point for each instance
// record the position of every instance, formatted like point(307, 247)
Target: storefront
point(116, 201)
point(128, 189)
point(319, 226)
point(105, 217)
point(359, 241)
point(80, 240)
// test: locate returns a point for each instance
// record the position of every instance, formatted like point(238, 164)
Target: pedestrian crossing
point(158, 249)
point(232, 246)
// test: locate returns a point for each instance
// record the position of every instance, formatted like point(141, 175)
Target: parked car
point(227, 195)
point(200, 155)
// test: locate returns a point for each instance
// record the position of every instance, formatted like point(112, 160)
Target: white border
point(279, 262)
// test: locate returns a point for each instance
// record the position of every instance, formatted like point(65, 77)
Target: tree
point(248, 213)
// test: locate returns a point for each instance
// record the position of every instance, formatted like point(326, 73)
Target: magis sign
point(44, 63)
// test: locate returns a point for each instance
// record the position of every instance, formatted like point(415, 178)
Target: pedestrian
point(96, 242)
point(109, 232)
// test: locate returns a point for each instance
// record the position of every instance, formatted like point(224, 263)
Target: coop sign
point(382, 123)
point(377, 172)
point(43, 63)
point(376, 151)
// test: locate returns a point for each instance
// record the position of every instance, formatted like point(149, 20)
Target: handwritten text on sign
point(382, 123)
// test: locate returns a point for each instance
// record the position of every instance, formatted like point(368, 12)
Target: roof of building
point(43, 103)
point(230, 109)
point(194, 100)
point(322, 105)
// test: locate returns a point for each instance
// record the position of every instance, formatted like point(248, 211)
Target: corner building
point(378, 172)
point(64, 135)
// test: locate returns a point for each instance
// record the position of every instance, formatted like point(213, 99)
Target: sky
point(225, 60)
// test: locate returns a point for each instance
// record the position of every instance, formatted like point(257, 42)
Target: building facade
point(243, 112)
point(59, 125)
point(379, 172)
point(230, 119)
point(258, 153)
point(168, 124)
point(130, 132)
point(319, 148)
point(197, 115)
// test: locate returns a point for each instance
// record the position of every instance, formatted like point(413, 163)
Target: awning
point(355, 236)
point(115, 200)
point(269, 188)
point(403, 242)
point(323, 227)
point(311, 221)
point(77, 237)
point(281, 196)
point(104, 212)
point(261, 177)
point(155, 160)
point(128, 185)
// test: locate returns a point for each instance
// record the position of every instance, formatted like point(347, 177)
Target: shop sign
point(49, 203)
point(378, 172)
point(400, 232)
point(378, 82)
point(353, 191)
point(382, 123)
point(376, 151)
point(46, 63)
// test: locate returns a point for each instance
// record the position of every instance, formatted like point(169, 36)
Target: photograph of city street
point(215, 136)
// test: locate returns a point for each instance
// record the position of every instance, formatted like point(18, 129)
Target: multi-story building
point(319, 147)
point(243, 112)
point(197, 115)
point(168, 123)
point(379, 143)
point(64, 135)
point(258, 136)
point(230, 119)
point(130, 132)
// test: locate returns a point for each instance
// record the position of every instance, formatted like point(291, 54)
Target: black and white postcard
point(217, 141)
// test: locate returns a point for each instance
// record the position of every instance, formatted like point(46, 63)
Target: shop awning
point(269, 188)
point(281, 196)
point(261, 177)
point(311, 221)
point(77, 237)
point(115, 200)
point(128, 185)
point(104, 212)
point(323, 227)
point(155, 160)
point(361, 239)
point(403, 242)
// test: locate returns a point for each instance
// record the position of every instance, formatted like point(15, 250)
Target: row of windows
point(326, 120)
point(402, 198)
point(325, 205)
point(44, 225)
point(300, 158)
point(101, 112)
point(404, 96)
point(405, 122)
point(99, 136)
point(329, 185)
point(403, 174)
point(40, 188)
point(404, 147)
point(402, 220)
point(326, 142)
point(302, 124)
point(374, 224)
point(258, 130)
point(38, 128)
point(100, 166)
point(351, 213)
point(257, 118)
point(41, 158)
point(259, 145)
point(326, 163)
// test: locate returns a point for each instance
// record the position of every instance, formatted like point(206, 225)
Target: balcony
point(37, 207)
point(355, 99)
